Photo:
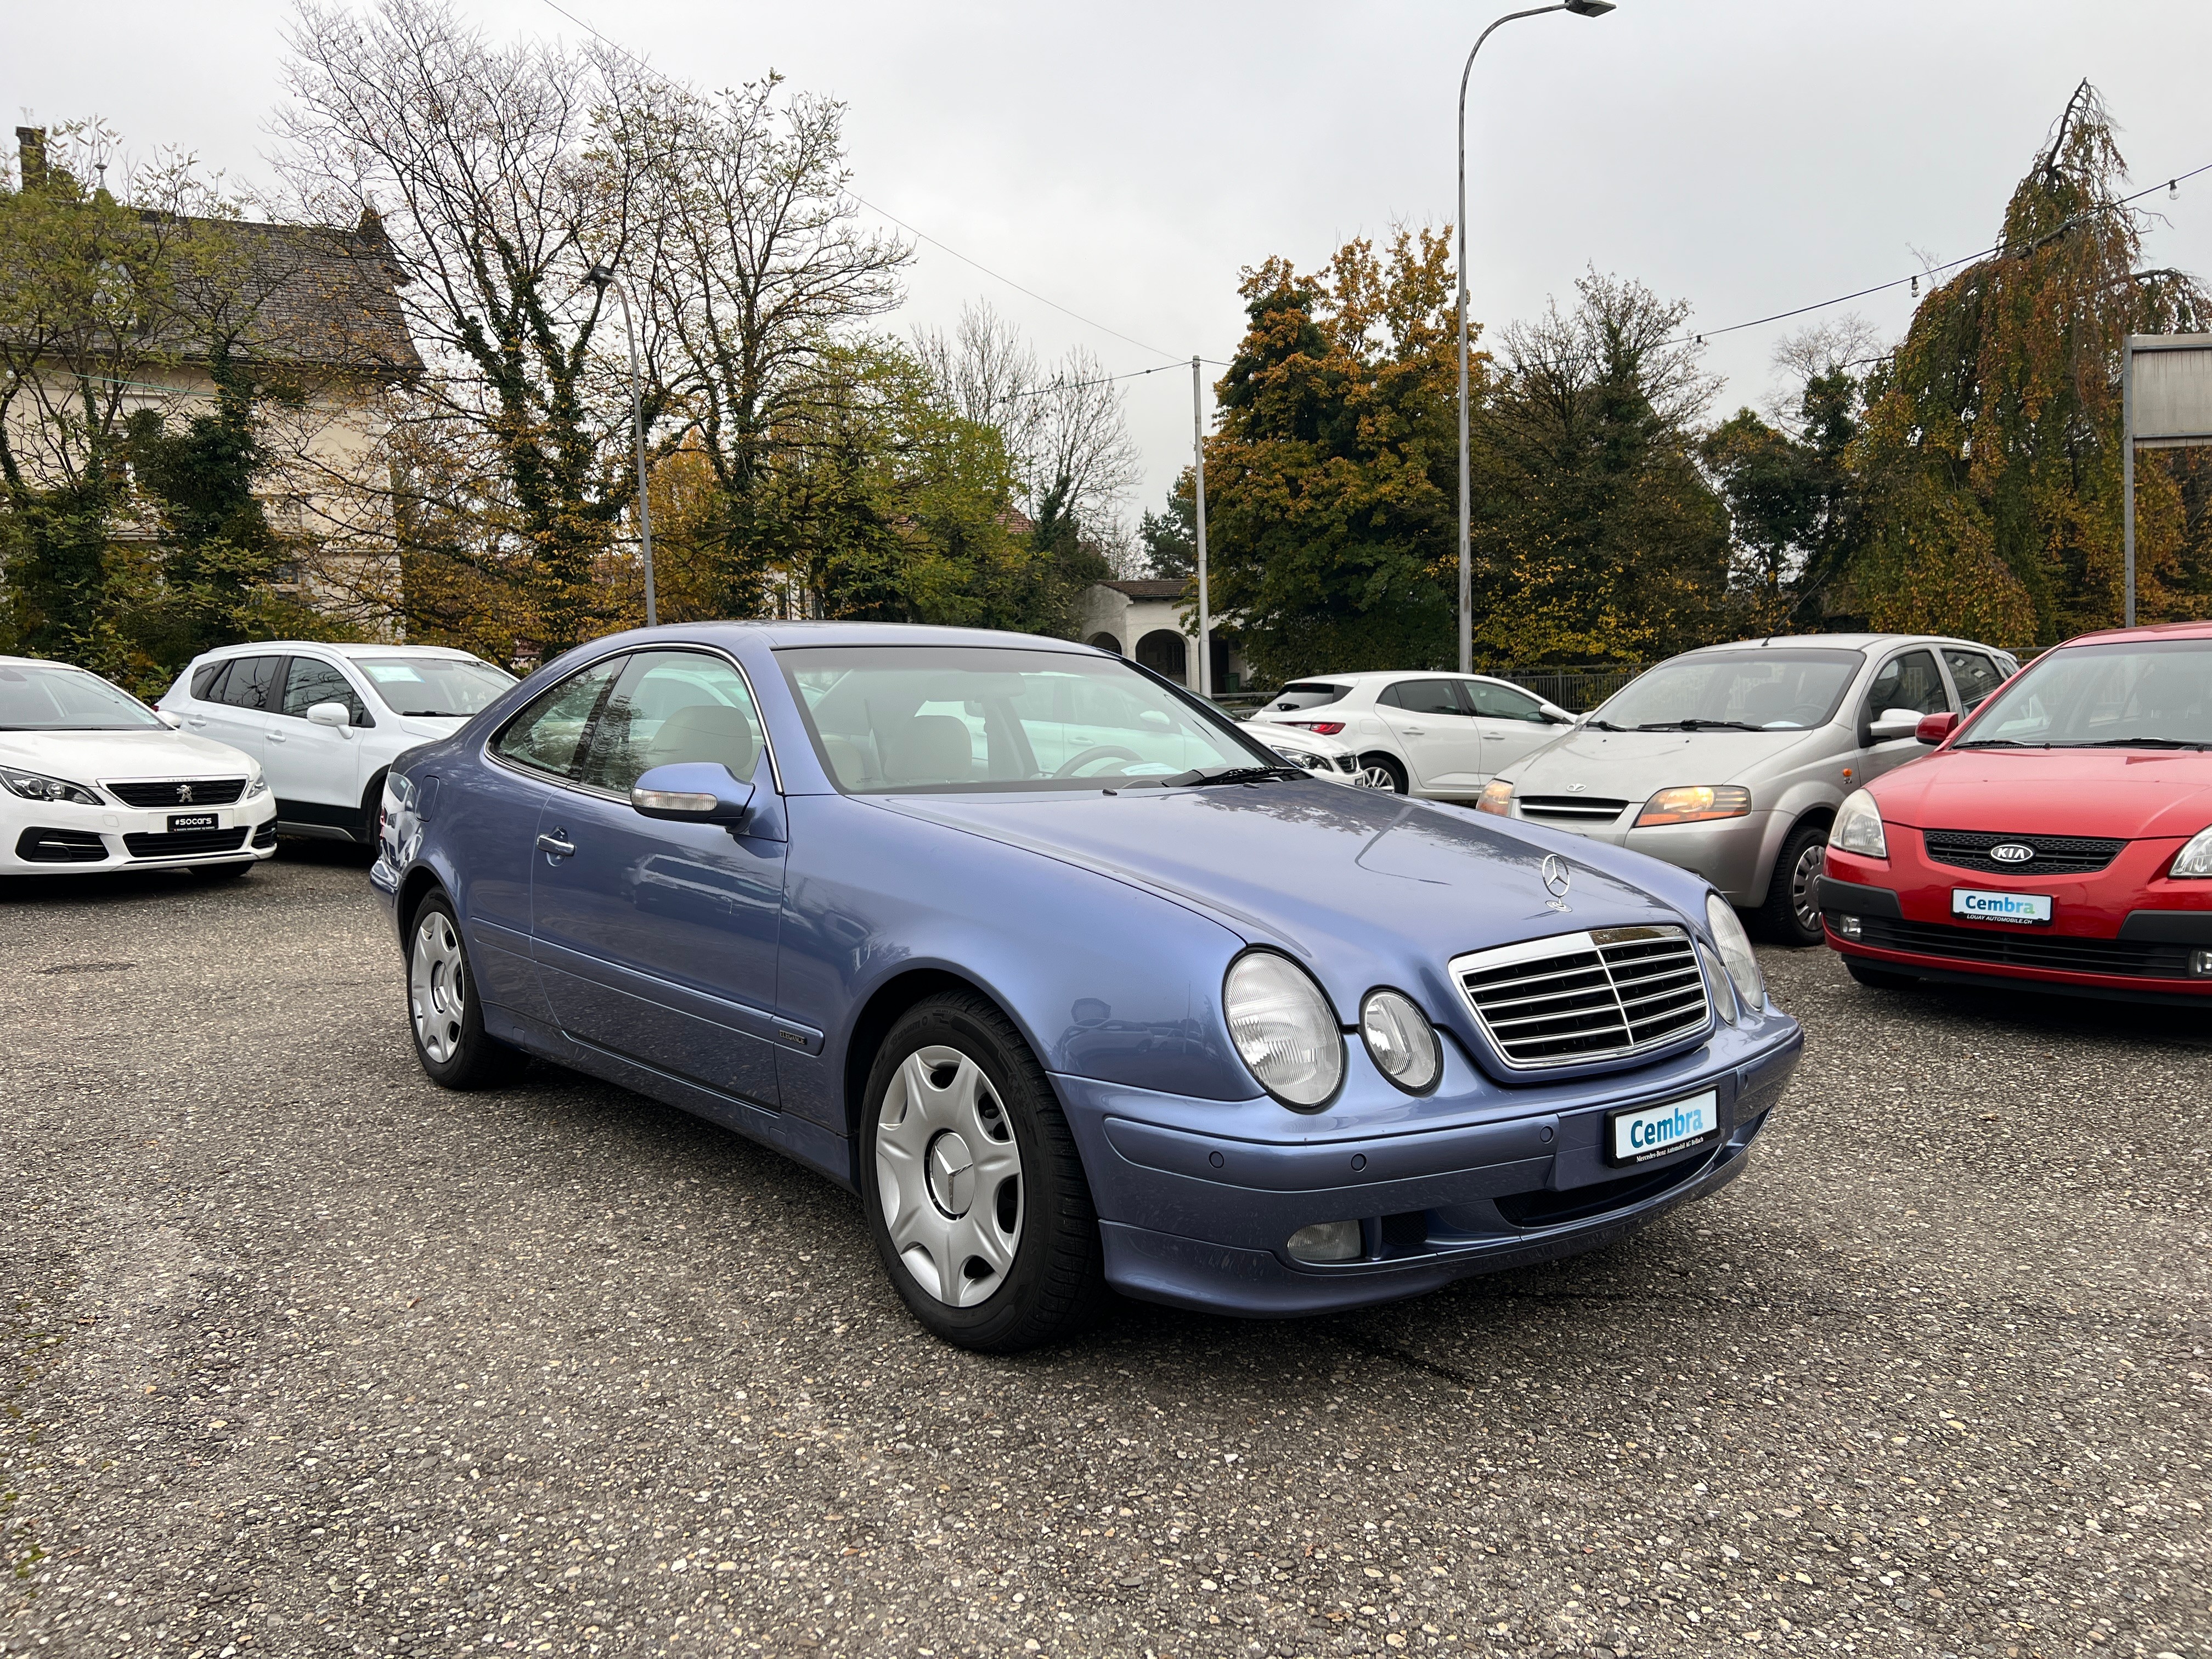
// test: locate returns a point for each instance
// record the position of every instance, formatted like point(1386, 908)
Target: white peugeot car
point(326, 720)
point(91, 779)
point(1325, 757)
point(1443, 736)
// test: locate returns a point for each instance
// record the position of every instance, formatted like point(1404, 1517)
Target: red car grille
point(2055, 855)
point(2018, 947)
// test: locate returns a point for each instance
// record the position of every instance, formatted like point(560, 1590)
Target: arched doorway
point(1163, 651)
point(1104, 642)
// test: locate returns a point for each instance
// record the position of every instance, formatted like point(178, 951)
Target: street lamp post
point(603, 277)
point(1581, 9)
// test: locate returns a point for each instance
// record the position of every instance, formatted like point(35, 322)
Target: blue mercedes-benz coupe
point(1073, 981)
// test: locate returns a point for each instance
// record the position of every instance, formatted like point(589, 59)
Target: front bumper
point(1731, 853)
point(1197, 1200)
point(56, 838)
point(2127, 931)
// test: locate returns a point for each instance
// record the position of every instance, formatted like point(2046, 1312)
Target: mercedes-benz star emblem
point(1557, 877)
point(2011, 852)
point(183, 792)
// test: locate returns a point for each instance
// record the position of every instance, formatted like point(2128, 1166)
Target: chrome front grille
point(1580, 997)
point(1571, 809)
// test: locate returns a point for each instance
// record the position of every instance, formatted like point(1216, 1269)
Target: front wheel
point(450, 1040)
point(974, 1190)
point(1792, 910)
point(1381, 772)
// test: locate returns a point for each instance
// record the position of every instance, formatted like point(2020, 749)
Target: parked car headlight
point(1285, 1029)
point(1496, 797)
point(1695, 803)
point(1718, 986)
point(2195, 858)
point(1401, 1041)
point(257, 785)
point(36, 785)
point(1734, 946)
point(1857, 828)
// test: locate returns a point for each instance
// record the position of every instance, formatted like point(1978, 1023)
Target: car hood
point(1368, 888)
point(428, 728)
point(1636, 765)
point(2130, 793)
point(89, 757)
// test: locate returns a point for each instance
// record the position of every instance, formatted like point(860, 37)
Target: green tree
point(1991, 456)
point(1597, 534)
point(1329, 515)
point(1169, 538)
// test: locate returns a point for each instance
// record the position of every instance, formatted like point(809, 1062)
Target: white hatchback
point(1442, 736)
point(326, 720)
point(92, 779)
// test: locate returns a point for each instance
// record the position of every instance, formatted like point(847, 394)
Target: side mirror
point(1933, 728)
point(693, 791)
point(331, 714)
point(1894, 723)
point(174, 722)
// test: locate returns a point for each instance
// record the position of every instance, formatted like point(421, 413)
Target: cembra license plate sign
point(1648, 1131)
point(2028, 909)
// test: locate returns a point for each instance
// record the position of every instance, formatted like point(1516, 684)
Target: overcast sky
point(1125, 161)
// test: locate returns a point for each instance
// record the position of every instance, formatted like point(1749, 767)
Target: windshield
point(2133, 694)
point(1762, 691)
point(445, 687)
point(57, 699)
point(947, 720)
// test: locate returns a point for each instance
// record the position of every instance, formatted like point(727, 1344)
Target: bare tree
point(1815, 353)
point(753, 262)
point(473, 157)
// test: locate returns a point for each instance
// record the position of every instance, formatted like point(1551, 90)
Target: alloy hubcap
point(1804, 886)
point(1377, 777)
point(950, 1176)
point(437, 986)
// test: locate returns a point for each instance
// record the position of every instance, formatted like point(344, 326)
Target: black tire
point(212, 873)
point(1055, 1284)
point(1791, 915)
point(1878, 979)
point(372, 804)
point(444, 1016)
point(1388, 767)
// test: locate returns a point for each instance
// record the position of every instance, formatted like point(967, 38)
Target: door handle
point(276, 737)
point(1415, 731)
point(557, 846)
point(195, 719)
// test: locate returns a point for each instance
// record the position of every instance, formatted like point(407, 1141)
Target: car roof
point(1367, 675)
point(43, 662)
point(1840, 642)
point(780, 634)
point(348, 649)
point(2184, 630)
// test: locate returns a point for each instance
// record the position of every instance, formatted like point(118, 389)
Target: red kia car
point(2060, 836)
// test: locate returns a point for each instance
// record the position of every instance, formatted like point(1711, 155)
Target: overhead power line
point(911, 230)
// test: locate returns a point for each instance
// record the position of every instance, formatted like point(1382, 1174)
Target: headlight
point(1734, 946)
point(1284, 1028)
point(36, 785)
point(257, 786)
point(2195, 858)
point(1695, 803)
point(1401, 1041)
point(1857, 828)
point(1716, 983)
point(1496, 797)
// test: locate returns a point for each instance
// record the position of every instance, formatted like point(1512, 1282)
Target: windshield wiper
point(1603, 725)
point(430, 714)
point(1238, 773)
point(1694, 725)
point(1998, 743)
point(2133, 743)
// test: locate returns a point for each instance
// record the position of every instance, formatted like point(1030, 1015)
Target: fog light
point(2200, 964)
point(1326, 1241)
point(1848, 928)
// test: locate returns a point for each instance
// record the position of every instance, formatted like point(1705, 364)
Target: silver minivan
point(1732, 760)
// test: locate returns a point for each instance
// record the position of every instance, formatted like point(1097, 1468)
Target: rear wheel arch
point(417, 885)
point(1400, 774)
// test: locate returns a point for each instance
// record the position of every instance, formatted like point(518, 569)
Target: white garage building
point(1146, 619)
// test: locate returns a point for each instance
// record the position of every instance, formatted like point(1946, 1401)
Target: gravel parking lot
point(304, 1356)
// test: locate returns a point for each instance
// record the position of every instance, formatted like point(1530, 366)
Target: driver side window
point(668, 707)
point(1909, 680)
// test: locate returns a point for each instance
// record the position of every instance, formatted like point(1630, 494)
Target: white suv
point(324, 721)
point(1439, 735)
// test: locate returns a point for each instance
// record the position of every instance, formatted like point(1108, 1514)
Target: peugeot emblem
point(183, 792)
point(2011, 852)
point(1577, 788)
point(1557, 877)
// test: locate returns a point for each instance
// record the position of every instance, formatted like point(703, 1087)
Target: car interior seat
point(931, 749)
point(705, 731)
